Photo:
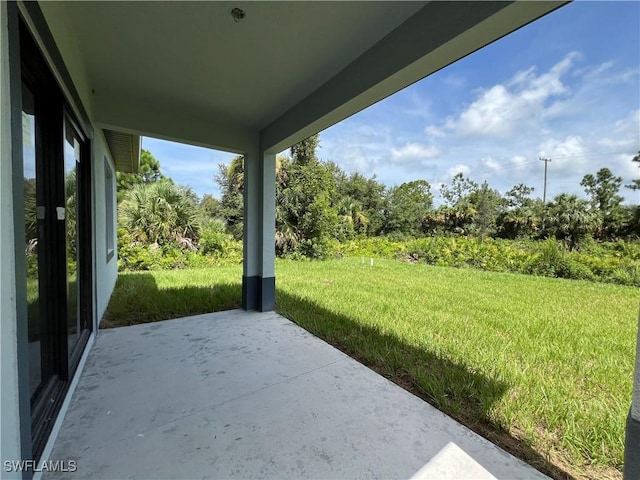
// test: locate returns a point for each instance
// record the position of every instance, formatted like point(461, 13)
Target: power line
point(504, 167)
point(519, 165)
point(578, 155)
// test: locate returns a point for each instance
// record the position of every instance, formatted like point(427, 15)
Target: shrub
point(551, 261)
point(579, 271)
point(628, 274)
point(213, 239)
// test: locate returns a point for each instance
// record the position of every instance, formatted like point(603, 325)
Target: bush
point(551, 261)
point(579, 271)
point(215, 248)
point(615, 262)
point(628, 274)
point(612, 262)
point(317, 248)
point(372, 247)
point(213, 239)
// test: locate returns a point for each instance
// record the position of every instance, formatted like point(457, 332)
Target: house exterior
point(81, 82)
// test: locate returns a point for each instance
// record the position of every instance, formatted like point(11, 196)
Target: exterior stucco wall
point(106, 269)
point(11, 440)
point(9, 418)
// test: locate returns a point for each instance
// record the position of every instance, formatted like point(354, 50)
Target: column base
point(631, 469)
point(259, 293)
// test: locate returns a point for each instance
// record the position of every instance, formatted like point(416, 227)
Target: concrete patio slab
point(251, 395)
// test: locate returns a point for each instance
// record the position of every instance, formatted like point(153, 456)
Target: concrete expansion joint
point(230, 400)
point(284, 381)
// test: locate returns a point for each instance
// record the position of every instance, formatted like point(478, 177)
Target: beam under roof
point(437, 35)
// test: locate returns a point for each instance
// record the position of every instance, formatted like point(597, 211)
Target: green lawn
point(141, 297)
point(541, 366)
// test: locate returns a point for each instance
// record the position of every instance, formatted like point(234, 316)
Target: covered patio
point(251, 395)
point(235, 394)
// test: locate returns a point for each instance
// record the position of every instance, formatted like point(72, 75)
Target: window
point(108, 206)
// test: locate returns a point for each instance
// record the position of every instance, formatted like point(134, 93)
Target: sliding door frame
point(59, 364)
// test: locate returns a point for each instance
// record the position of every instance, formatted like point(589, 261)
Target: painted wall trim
point(250, 292)
point(631, 467)
point(267, 294)
point(259, 293)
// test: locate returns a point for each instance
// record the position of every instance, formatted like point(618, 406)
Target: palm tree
point(519, 222)
point(71, 214)
point(572, 220)
point(160, 213)
point(30, 221)
point(352, 217)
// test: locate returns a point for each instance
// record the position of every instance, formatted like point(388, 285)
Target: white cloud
point(414, 151)
point(456, 169)
point(519, 103)
point(412, 104)
point(583, 115)
point(624, 134)
point(491, 163)
point(568, 154)
point(454, 81)
point(571, 146)
point(433, 131)
point(356, 146)
point(519, 160)
point(354, 159)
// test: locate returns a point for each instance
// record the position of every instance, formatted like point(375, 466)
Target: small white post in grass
point(363, 259)
point(631, 470)
point(372, 261)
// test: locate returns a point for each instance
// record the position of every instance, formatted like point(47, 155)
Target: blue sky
point(566, 87)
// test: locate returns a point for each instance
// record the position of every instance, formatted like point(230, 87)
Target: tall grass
point(548, 362)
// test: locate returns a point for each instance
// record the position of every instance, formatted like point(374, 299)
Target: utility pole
point(544, 191)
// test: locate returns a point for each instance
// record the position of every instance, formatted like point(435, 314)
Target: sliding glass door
point(72, 153)
point(57, 219)
point(34, 240)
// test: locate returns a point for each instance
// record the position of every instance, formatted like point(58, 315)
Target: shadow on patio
point(468, 396)
point(251, 395)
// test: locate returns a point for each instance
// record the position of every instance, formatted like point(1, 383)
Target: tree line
point(318, 203)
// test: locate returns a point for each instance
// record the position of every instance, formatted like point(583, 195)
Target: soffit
point(192, 56)
point(125, 150)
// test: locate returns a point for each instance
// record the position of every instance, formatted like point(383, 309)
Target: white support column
point(632, 440)
point(258, 280)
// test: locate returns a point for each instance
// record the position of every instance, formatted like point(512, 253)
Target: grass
point(541, 366)
point(141, 297)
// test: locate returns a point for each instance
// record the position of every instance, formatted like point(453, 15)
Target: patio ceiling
point(187, 71)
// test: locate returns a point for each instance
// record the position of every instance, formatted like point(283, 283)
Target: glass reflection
point(32, 229)
point(71, 158)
